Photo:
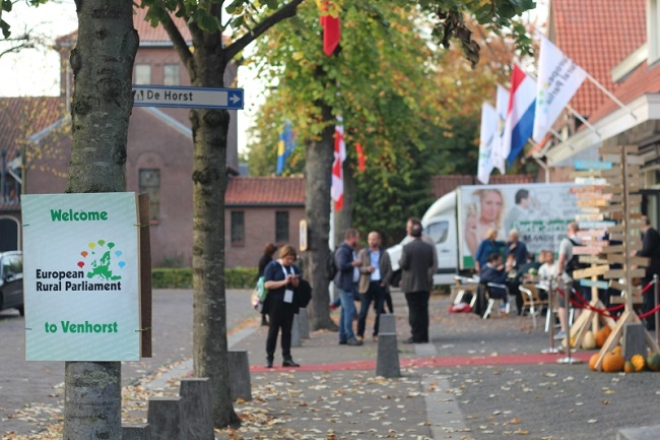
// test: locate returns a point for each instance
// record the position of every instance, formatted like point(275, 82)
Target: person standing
point(516, 248)
point(266, 258)
point(415, 221)
point(375, 275)
point(565, 266)
point(346, 279)
point(651, 250)
point(417, 265)
point(281, 279)
point(487, 247)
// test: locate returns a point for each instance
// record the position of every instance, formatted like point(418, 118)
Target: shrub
point(169, 278)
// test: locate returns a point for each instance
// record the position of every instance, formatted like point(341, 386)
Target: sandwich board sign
point(81, 277)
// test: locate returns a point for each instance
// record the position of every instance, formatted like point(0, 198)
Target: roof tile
point(598, 35)
point(265, 191)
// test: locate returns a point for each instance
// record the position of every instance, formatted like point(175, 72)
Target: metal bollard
point(387, 363)
point(195, 395)
point(295, 332)
point(303, 323)
point(165, 419)
point(239, 376)
point(138, 431)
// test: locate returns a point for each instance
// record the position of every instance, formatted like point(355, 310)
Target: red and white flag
point(337, 188)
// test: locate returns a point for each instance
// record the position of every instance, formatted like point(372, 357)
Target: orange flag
point(362, 158)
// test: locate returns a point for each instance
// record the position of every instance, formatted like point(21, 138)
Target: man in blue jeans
point(346, 279)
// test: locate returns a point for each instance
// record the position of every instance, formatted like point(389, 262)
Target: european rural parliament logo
point(104, 261)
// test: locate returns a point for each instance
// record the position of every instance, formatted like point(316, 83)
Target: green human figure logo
point(101, 267)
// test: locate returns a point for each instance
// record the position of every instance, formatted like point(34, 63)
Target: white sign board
point(540, 213)
point(187, 97)
point(81, 277)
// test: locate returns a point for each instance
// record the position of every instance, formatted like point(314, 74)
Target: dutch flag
point(519, 123)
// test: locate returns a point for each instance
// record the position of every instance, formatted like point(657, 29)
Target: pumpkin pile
point(614, 362)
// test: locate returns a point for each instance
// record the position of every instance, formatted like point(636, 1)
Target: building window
point(142, 74)
point(237, 228)
point(171, 76)
point(150, 185)
point(281, 226)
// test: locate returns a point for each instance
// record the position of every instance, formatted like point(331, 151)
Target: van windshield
point(438, 231)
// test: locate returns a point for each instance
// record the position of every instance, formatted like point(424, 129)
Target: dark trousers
point(280, 316)
point(375, 293)
point(388, 301)
point(418, 315)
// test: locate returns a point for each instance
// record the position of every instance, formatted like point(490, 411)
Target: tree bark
point(210, 128)
point(318, 170)
point(102, 64)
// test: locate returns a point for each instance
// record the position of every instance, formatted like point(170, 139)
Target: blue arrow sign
point(592, 165)
point(598, 284)
point(187, 97)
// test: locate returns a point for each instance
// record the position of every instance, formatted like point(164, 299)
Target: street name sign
point(592, 165)
point(81, 277)
point(187, 97)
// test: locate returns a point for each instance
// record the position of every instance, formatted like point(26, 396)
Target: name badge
point(288, 296)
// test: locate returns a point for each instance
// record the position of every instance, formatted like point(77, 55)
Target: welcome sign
point(81, 277)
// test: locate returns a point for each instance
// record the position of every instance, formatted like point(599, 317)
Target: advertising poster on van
point(539, 212)
point(81, 277)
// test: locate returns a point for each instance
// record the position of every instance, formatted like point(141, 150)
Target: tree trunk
point(102, 64)
point(210, 128)
point(344, 218)
point(318, 170)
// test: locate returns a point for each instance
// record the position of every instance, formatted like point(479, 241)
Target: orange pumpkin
point(617, 350)
point(653, 362)
point(592, 361)
point(628, 367)
point(638, 362)
point(601, 336)
point(613, 362)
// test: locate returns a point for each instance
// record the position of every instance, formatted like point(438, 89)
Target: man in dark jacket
point(651, 250)
point(346, 279)
point(417, 266)
point(494, 273)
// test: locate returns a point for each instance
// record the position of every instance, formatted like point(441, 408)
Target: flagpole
point(610, 95)
point(584, 121)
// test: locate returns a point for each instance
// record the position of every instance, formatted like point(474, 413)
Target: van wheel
point(396, 279)
point(21, 310)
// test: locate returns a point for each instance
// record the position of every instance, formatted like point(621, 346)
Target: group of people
point(369, 273)
point(519, 263)
point(363, 275)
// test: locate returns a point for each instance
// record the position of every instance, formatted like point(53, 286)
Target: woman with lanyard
point(281, 279)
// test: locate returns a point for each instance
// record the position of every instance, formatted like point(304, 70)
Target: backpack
point(574, 263)
point(331, 265)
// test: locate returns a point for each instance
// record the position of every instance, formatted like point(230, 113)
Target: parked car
point(11, 281)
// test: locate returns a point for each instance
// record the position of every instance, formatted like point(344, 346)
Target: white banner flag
point(486, 141)
point(559, 79)
point(499, 155)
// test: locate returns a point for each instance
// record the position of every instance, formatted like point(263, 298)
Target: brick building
point(260, 210)
point(160, 149)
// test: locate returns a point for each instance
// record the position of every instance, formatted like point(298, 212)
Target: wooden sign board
point(601, 225)
point(591, 272)
point(621, 259)
point(618, 189)
point(591, 259)
point(589, 217)
point(592, 165)
point(621, 273)
point(587, 250)
point(636, 300)
point(591, 233)
point(618, 149)
point(622, 216)
point(598, 284)
point(592, 202)
point(586, 189)
point(590, 181)
point(588, 173)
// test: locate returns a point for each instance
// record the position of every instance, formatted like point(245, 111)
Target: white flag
point(486, 141)
point(559, 79)
point(499, 155)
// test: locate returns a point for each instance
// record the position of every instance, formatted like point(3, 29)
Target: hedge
point(170, 278)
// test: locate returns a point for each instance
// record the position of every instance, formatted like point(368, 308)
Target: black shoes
point(269, 363)
point(289, 363)
point(415, 341)
point(264, 320)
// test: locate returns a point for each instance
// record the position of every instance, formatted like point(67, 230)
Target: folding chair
point(531, 301)
point(461, 288)
point(491, 301)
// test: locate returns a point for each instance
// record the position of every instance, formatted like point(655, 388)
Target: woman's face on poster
point(491, 205)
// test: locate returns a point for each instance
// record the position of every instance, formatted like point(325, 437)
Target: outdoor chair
point(532, 301)
point(462, 288)
point(491, 301)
